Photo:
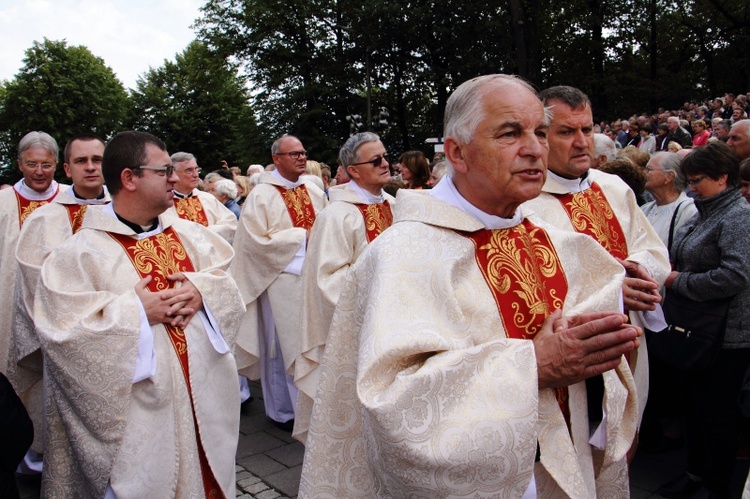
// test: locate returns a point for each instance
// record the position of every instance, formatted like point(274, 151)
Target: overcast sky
point(130, 35)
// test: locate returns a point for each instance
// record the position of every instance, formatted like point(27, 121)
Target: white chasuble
point(423, 394)
point(207, 211)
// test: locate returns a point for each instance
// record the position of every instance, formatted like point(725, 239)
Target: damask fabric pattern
point(42, 232)
point(643, 243)
point(10, 228)
point(220, 219)
point(337, 239)
point(422, 394)
point(103, 428)
point(265, 243)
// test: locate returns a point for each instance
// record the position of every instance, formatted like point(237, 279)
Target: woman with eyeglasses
point(710, 254)
point(415, 170)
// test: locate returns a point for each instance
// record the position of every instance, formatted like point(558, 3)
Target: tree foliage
point(62, 90)
point(199, 104)
point(311, 60)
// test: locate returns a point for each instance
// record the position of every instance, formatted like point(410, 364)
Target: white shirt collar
point(102, 200)
point(109, 209)
point(287, 183)
point(29, 193)
point(365, 196)
point(573, 185)
point(446, 191)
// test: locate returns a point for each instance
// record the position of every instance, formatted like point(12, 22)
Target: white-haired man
point(198, 206)
point(677, 133)
point(739, 138)
point(604, 149)
point(37, 160)
point(438, 376)
point(271, 247)
point(359, 211)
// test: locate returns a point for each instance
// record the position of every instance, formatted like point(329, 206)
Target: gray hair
point(181, 157)
point(674, 119)
point(348, 153)
point(38, 139)
point(254, 179)
point(743, 125)
point(465, 107)
point(571, 96)
point(439, 169)
point(604, 146)
point(213, 177)
point(276, 146)
point(254, 169)
point(226, 187)
point(670, 162)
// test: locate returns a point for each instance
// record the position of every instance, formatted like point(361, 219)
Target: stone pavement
point(269, 462)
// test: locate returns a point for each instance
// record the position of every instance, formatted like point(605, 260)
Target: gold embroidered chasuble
point(299, 205)
point(141, 438)
point(422, 389)
point(159, 256)
point(191, 208)
point(267, 240)
point(14, 210)
point(340, 234)
point(642, 242)
point(203, 208)
point(44, 230)
point(591, 214)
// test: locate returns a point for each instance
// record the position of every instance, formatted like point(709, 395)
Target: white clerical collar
point(446, 191)
point(365, 196)
point(109, 209)
point(183, 196)
point(572, 184)
point(32, 195)
point(287, 183)
point(103, 199)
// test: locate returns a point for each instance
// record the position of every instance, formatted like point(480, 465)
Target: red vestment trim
point(191, 209)
point(527, 281)
point(159, 256)
point(75, 215)
point(26, 206)
point(591, 214)
point(299, 205)
point(377, 217)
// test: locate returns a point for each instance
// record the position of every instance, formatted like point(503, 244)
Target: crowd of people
point(466, 326)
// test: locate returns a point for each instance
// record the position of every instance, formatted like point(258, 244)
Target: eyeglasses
point(293, 154)
point(167, 170)
point(190, 171)
point(34, 165)
point(374, 162)
point(695, 181)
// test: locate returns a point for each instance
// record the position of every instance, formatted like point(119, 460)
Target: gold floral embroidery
point(377, 217)
point(191, 209)
point(299, 205)
point(591, 214)
point(75, 214)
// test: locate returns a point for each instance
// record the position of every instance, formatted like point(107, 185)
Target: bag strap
point(671, 225)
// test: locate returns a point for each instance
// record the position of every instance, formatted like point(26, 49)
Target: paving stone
point(246, 482)
point(245, 496)
point(261, 465)
point(286, 481)
point(268, 494)
point(289, 455)
point(244, 474)
point(255, 488)
point(257, 442)
point(256, 422)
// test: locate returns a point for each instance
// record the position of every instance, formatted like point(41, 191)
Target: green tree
point(199, 104)
point(62, 90)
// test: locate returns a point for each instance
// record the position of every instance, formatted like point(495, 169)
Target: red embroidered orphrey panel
point(76, 213)
point(299, 205)
point(26, 206)
point(524, 274)
point(159, 256)
point(377, 217)
point(591, 214)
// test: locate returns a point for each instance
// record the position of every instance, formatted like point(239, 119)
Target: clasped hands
point(572, 349)
point(175, 306)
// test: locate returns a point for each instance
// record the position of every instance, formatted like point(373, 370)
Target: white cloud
point(130, 36)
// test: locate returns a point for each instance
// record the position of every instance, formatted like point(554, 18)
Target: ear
point(353, 173)
point(455, 154)
point(127, 177)
point(67, 170)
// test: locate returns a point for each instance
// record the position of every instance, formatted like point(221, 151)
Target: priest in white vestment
point(442, 375)
point(576, 197)
point(37, 160)
point(136, 316)
point(43, 231)
point(271, 247)
point(359, 211)
point(192, 204)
